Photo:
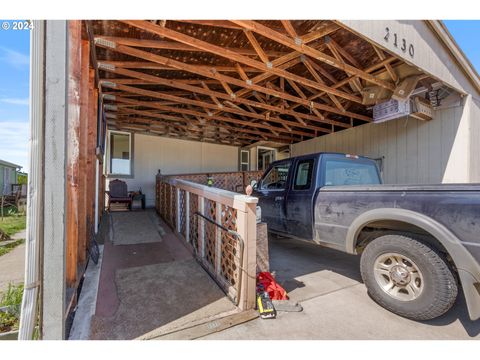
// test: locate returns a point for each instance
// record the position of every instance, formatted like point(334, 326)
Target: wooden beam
point(73, 131)
point(172, 45)
point(198, 90)
point(345, 81)
point(179, 110)
point(217, 50)
point(317, 77)
point(216, 23)
point(215, 75)
point(290, 29)
point(83, 152)
point(202, 104)
point(307, 50)
point(156, 66)
point(256, 46)
point(388, 67)
point(166, 119)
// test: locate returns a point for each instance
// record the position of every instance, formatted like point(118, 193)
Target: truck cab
point(288, 189)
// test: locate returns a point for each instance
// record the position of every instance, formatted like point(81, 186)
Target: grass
point(12, 298)
point(5, 249)
point(13, 224)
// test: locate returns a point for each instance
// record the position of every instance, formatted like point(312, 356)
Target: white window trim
point(265, 148)
point(248, 159)
point(109, 162)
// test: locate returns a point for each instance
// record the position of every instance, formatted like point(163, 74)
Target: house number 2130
point(397, 42)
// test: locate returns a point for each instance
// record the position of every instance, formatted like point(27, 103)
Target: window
point(120, 153)
point(276, 179)
point(303, 176)
point(350, 172)
point(244, 160)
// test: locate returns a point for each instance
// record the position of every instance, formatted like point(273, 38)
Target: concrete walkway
point(336, 305)
point(149, 282)
point(12, 265)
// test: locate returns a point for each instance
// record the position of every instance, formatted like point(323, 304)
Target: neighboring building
point(8, 176)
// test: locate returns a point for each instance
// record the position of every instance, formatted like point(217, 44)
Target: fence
point(232, 180)
point(220, 227)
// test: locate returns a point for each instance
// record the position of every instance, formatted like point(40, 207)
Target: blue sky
point(14, 88)
point(14, 83)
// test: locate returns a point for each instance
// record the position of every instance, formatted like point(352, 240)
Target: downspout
point(34, 240)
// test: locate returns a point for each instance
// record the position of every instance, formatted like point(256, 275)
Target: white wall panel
point(174, 156)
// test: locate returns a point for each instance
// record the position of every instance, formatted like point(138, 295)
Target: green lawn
point(12, 299)
point(13, 224)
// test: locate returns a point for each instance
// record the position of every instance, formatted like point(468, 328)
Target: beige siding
point(174, 156)
point(413, 151)
point(475, 140)
point(429, 52)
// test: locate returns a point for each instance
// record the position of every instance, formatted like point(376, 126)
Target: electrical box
point(421, 109)
point(391, 109)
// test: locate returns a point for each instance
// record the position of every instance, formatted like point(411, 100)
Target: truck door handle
point(278, 198)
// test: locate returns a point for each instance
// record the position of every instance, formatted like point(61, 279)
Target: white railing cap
point(229, 198)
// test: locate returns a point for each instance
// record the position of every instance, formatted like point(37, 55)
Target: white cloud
point(15, 101)
point(14, 58)
point(14, 139)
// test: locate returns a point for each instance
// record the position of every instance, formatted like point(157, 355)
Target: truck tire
point(408, 277)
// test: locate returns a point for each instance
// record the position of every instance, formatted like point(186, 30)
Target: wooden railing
point(220, 226)
point(230, 180)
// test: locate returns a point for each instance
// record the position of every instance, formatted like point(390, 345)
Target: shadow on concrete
point(145, 286)
point(301, 267)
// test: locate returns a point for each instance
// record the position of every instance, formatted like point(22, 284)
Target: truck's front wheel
point(408, 277)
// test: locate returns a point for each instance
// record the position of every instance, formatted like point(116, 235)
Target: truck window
point(276, 178)
point(350, 172)
point(303, 176)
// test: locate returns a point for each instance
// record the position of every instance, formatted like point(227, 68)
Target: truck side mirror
point(254, 184)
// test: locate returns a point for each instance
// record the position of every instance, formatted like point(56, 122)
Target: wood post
point(91, 155)
point(246, 227)
point(73, 136)
point(218, 238)
point(187, 216)
point(83, 152)
point(179, 215)
point(201, 226)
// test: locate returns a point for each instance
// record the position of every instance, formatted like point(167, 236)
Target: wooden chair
point(118, 193)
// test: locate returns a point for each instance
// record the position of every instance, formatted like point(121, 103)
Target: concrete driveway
point(336, 305)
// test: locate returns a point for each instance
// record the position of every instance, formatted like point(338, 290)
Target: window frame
point(131, 137)
point(248, 160)
point(285, 162)
point(294, 180)
point(334, 157)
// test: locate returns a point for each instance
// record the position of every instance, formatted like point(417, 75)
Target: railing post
point(187, 216)
point(179, 215)
point(247, 229)
point(201, 226)
point(218, 239)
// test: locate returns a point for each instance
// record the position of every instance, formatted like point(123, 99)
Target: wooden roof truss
point(237, 82)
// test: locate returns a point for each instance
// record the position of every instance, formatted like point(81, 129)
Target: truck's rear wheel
point(408, 277)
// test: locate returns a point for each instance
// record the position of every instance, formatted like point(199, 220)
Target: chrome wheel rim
point(398, 276)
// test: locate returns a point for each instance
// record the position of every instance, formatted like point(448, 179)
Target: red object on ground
point(275, 291)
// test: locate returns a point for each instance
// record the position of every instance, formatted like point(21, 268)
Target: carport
point(192, 96)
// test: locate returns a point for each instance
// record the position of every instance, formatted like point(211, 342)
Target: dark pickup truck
point(418, 243)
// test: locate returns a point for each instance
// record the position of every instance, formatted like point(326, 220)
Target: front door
point(271, 195)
